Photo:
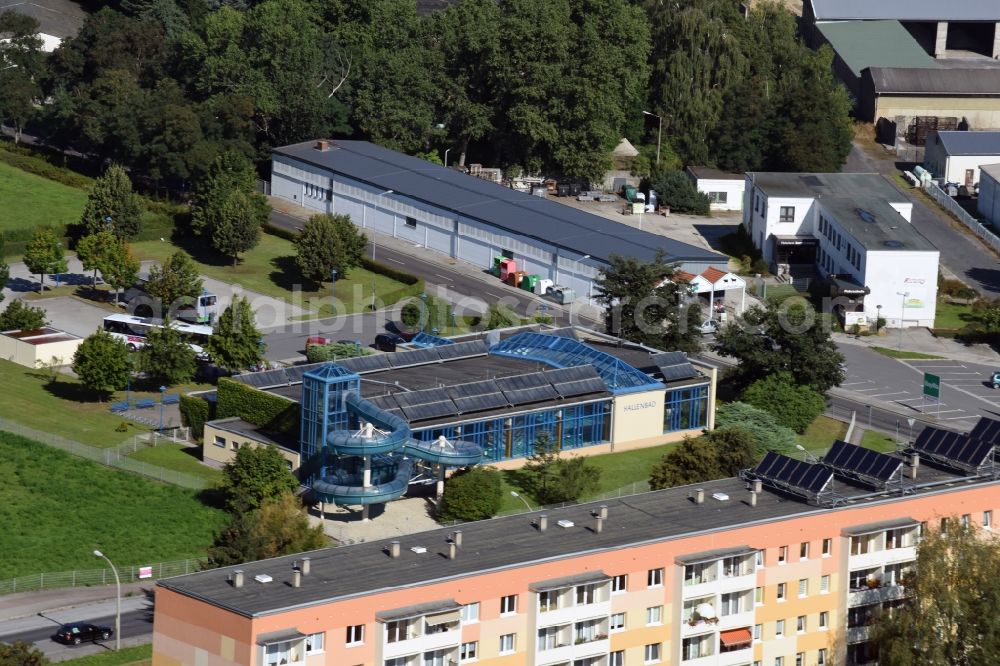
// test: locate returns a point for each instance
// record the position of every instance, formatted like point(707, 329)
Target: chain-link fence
point(92, 577)
point(109, 457)
point(963, 216)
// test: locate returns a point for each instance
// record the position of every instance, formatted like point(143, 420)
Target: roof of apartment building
point(965, 81)
point(968, 143)
point(515, 541)
point(991, 170)
point(862, 44)
point(546, 221)
point(906, 10)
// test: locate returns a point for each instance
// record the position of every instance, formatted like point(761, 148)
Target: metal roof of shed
point(506, 209)
point(906, 10)
point(969, 143)
point(862, 44)
point(972, 81)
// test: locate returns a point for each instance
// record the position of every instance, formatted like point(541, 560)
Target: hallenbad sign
point(641, 406)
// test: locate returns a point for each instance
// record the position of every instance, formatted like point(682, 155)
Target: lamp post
point(446, 151)
point(425, 314)
point(162, 391)
point(810, 457)
point(659, 135)
point(514, 494)
point(454, 326)
point(902, 312)
point(910, 422)
point(333, 282)
point(118, 601)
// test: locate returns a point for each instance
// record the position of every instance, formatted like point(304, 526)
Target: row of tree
point(166, 86)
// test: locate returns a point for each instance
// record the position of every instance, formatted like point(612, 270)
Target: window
point(944, 526)
point(548, 600)
point(396, 631)
point(786, 214)
point(411, 222)
point(800, 623)
point(220, 441)
point(779, 628)
point(315, 642)
point(800, 659)
point(654, 578)
point(782, 554)
point(759, 558)
point(717, 197)
point(619, 584)
point(469, 651)
point(827, 547)
point(506, 254)
point(758, 595)
point(586, 594)
point(781, 591)
point(803, 587)
point(548, 638)
point(507, 643)
point(757, 629)
point(987, 519)
point(733, 603)
point(654, 615)
point(355, 634)
point(824, 584)
point(779, 661)
point(821, 657)
point(966, 520)
point(824, 620)
point(470, 613)
point(236, 446)
point(652, 653)
point(508, 604)
point(804, 550)
point(617, 658)
point(617, 622)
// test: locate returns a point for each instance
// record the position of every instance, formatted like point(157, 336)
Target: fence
point(91, 577)
point(942, 198)
point(109, 457)
point(146, 440)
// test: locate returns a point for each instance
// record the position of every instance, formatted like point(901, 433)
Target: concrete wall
point(31, 356)
point(220, 445)
point(983, 113)
point(989, 198)
point(888, 273)
point(733, 189)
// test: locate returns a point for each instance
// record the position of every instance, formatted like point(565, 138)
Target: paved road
point(961, 253)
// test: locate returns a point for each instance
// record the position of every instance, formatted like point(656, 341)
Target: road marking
point(446, 277)
point(941, 411)
point(959, 373)
point(395, 261)
point(867, 381)
point(876, 388)
point(881, 395)
point(906, 399)
point(959, 418)
point(937, 366)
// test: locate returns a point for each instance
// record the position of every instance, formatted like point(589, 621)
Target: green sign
point(932, 385)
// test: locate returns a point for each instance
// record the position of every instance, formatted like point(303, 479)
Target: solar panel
point(413, 357)
point(430, 410)
point(462, 349)
point(522, 382)
point(953, 448)
point(480, 403)
point(471, 389)
point(581, 387)
point(423, 397)
point(793, 475)
point(532, 394)
point(987, 430)
point(674, 366)
point(860, 463)
point(269, 378)
point(388, 403)
point(366, 363)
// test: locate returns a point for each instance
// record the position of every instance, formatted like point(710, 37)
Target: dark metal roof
point(968, 143)
point(975, 82)
point(863, 44)
point(508, 210)
point(906, 10)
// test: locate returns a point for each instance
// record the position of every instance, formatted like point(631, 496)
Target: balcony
point(703, 589)
point(744, 619)
point(698, 628)
point(858, 634)
point(572, 614)
point(737, 582)
point(424, 643)
point(876, 595)
point(567, 653)
point(735, 657)
point(708, 660)
point(894, 555)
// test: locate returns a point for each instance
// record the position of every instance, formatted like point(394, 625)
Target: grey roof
point(906, 10)
point(881, 526)
point(237, 426)
point(710, 173)
point(991, 170)
point(717, 554)
point(568, 581)
point(513, 541)
point(975, 82)
point(862, 44)
point(59, 18)
point(812, 185)
point(969, 143)
point(546, 221)
point(417, 610)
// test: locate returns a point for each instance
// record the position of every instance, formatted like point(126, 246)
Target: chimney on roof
point(602, 511)
point(543, 522)
point(304, 566)
point(322, 145)
point(452, 550)
point(457, 537)
point(238, 578)
point(296, 578)
point(914, 465)
point(753, 498)
point(599, 525)
point(699, 496)
point(394, 549)
point(757, 486)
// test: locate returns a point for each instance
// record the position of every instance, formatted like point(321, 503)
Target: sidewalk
point(923, 341)
point(23, 604)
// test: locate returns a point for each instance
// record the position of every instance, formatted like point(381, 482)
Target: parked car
point(995, 380)
point(709, 327)
point(317, 341)
point(387, 342)
point(74, 634)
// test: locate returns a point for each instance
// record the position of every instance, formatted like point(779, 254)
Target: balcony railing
point(865, 596)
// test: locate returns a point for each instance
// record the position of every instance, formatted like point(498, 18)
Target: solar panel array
point(580, 380)
point(674, 366)
point(987, 430)
point(477, 396)
point(796, 476)
point(522, 389)
point(462, 350)
point(953, 449)
point(860, 463)
point(366, 363)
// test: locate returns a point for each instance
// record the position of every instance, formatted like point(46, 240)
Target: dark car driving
point(387, 342)
point(74, 634)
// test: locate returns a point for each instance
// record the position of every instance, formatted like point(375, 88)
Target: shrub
point(949, 287)
point(679, 192)
point(472, 494)
point(195, 411)
point(334, 351)
point(762, 426)
point(22, 158)
point(792, 406)
point(254, 406)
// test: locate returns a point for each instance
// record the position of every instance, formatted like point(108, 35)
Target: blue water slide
point(348, 489)
point(454, 454)
point(345, 443)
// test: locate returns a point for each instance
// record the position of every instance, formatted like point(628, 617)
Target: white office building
point(724, 189)
point(852, 231)
point(956, 157)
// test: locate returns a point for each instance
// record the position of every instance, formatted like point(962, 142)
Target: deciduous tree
point(279, 527)
point(229, 172)
point(236, 343)
point(102, 363)
point(112, 205)
point(761, 425)
point(328, 242)
point(4, 268)
point(552, 479)
point(793, 406)
point(175, 283)
point(679, 192)
point(45, 255)
point(119, 268)
point(19, 316)
point(91, 250)
point(20, 653)
point(167, 356)
point(256, 474)
point(472, 494)
point(238, 227)
point(21, 68)
point(714, 455)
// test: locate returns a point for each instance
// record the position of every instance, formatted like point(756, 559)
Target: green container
point(496, 266)
point(529, 282)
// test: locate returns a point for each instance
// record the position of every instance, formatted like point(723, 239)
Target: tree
point(552, 479)
point(328, 242)
point(175, 283)
point(91, 250)
point(499, 315)
point(4, 268)
point(761, 425)
point(788, 337)
point(112, 205)
point(678, 191)
point(19, 316)
point(236, 342)
point(119, 267)
point(278, 527)
point(256, 474)
point(230, 172)
point(714, 455)
point(471, 494)
point(45, 255)
point(238, 227)
point(792, 405)
point(20, 653)
point(22, 63)
point(167, 356)
point(102, 363)
point(950, 616)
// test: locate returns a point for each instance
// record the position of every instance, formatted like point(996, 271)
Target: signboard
point(855, 318)
point(932, 385)
point(145, 572)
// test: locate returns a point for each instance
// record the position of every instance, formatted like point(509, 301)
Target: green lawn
point(179, 458)
point(904, 355)
point(270, 269)
point(876, 440)
point(56, 509)
point(31, 201)
point(141, 655)
point(821, 433)
point(953, 315)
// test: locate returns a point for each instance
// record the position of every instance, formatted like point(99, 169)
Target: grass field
point(953, 315)
point(179, 458)
point(878, 441)
point(270, 269)
point(896, 353)
point(821, 433)
point(141, 655)
point(31, 200)
point(56, 509)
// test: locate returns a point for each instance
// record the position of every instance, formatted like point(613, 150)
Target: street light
point(118, 601)
point(333, 283)
point(878, 316)
point(446, 151)
point(902, 313)
point(910, 422)
point(162, 390)
point(425, 314)
point(659, 135)
point(810, 457)
point(514, 494)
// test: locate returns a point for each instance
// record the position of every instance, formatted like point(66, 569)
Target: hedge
point(254, 406)
point(195, 411)
point(23, 159)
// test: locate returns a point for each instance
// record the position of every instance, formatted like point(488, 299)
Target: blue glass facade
point(323, 408)
point(685, 408)
point(507, 438)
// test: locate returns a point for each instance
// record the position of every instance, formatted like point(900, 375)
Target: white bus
point(133, 331)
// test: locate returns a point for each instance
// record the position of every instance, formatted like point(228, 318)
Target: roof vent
point(263, 578)
point(322, 145)
point(238, 578)
point(419, 550)
point(565, 523)
point(722, 497)
point(865, 215)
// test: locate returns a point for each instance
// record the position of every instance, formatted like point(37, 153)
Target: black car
point(387, 342)
point(74, 634)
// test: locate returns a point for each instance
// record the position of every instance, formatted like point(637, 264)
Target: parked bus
point(133, 330)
